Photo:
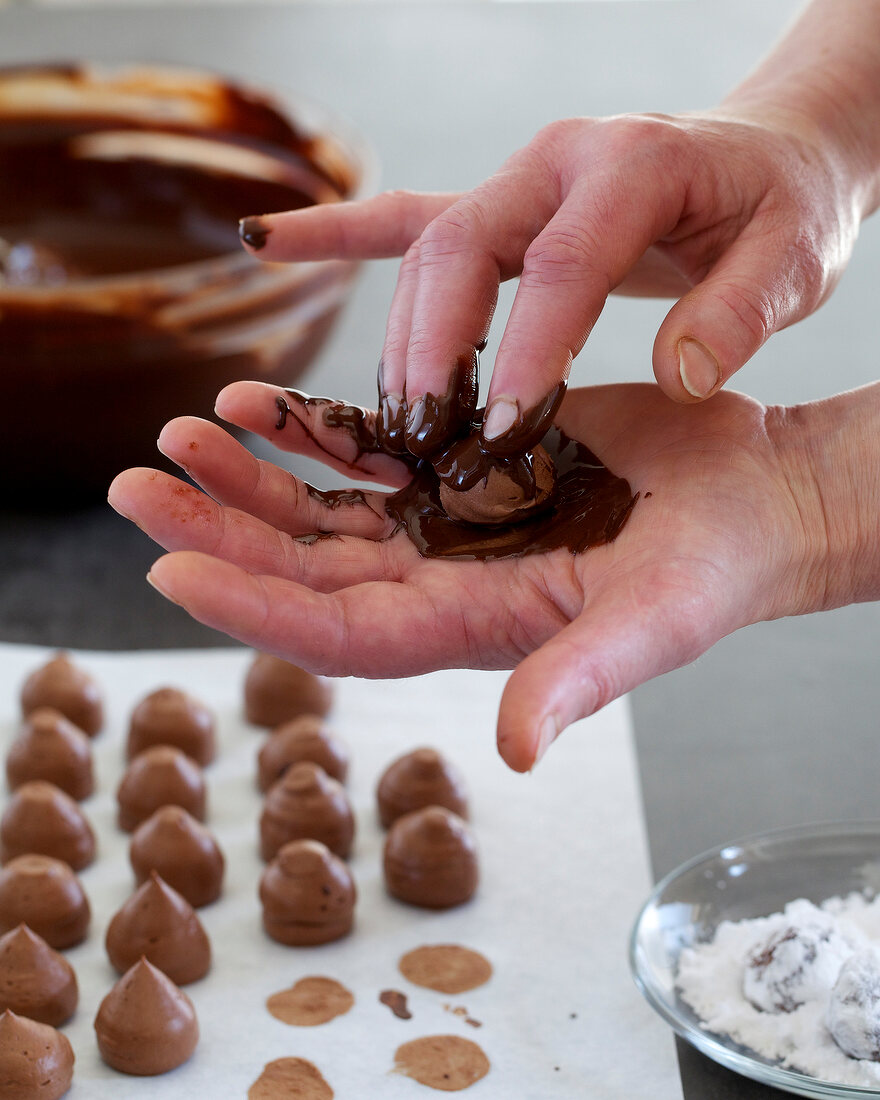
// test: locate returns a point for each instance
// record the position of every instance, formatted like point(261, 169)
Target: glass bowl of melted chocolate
point(125, 297)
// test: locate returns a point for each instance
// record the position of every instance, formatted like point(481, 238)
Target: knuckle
point(452, 232)
point(561, 255)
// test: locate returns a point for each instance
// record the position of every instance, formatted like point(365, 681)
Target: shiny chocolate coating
point(146, 1025)
point(477, 487)
point(530, 426)
point(181, 850)
point(46, 895)
point(303, 739)
point(35, 980)
point(160, 776)
point(306, 804)
point(170, 716)
point(308, 895)
point(434, 421)
point(420, 778)
point(430, 859)
point(50, 747)
point(40, 818)
point(63, 685)
point(159, 924)
point(36, 1061)
point(276, 691)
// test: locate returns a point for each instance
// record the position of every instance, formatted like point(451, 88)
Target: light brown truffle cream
point(286, 1078)
point(445, 1062)
point(40, 818)
point(50, 747)
point(156, 923)
point(170, 716)
point(310, 1002)
point(276, 691)
point(304, 804)
point(308, 895)
point(66, 687)
point(160, 776)
point(495, 490)
point(146, 1025)
point(46, 895)
point(302, 739)
point(418, 779)
point(182, 851)
point(35, 980)
point(36, 1061)
point(430, 859)
point(445, 967)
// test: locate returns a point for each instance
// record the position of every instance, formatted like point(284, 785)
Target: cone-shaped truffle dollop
point(36, 1061)
point(186, 855)
point(478, 487)
point(431, 859)
point(40, 818)
point(50, 747)
point(303, 739)
point(308, 895)
point(145, 1024)
point(306, 804)
point(276, 691)
point(160, 776)
point(160, 925)
point(35, 981)
point(66, 687)
point(170, 716)
point(420, 778)
point(46, 895)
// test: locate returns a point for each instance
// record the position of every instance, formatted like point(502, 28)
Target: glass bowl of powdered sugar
point(765, 955)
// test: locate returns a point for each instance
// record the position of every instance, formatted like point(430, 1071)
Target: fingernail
point(151, 580)
point(548, 731)
point(392, 403)
point(500, 416)
point(254, 232)
point(415, 416)
point(700, 373)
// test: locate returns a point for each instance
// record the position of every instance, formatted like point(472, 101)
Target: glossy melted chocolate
point(590, 504)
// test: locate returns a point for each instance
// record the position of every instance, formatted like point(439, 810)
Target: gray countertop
point(777, 724)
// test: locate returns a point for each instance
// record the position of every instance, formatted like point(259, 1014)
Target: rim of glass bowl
point(730, 1054)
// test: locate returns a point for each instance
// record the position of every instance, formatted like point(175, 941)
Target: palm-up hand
point(707, 549)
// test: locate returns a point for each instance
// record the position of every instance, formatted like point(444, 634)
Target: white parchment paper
point(563, 865)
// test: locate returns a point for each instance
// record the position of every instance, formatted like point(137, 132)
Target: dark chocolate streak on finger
point(334, 499)
point(348, 417)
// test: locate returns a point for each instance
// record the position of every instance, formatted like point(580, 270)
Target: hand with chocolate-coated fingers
point(748, 224)
point(731, 527)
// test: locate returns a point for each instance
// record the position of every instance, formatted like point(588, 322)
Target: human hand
point(748, 223)
point(729, 530)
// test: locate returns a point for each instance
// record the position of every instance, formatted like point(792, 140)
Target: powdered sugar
point(789, 963)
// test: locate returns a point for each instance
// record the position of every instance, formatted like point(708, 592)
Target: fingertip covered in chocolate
point(254, 232)
point(434, 421)
point(528, 428)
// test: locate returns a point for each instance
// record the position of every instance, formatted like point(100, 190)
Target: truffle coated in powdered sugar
point(710, 979)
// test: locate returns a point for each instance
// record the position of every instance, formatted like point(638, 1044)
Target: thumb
point(608, 650)
point(757, 288)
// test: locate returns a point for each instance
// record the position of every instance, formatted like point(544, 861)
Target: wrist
point(829, 453)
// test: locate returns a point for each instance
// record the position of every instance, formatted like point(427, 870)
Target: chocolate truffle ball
point(50, 747)
point(170, 716)
point(304, 804)
point(431, 859)
point(35, 981)
point(303, 739)
point(35, 1059)
point(276, 691)
point(62, 685)
point(308, 895)
point(145, 1024)
point(853, 1016)
point(796, 964)
point(418, 779)
point(161, 776)
point(181, 850)
point(160, 925)
point(46, 895)
point(476, 487)
point(42, 819)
